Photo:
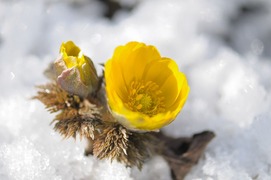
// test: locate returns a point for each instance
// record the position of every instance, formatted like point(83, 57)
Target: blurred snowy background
point(224, 47)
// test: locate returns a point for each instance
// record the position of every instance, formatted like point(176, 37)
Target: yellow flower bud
point(75, 72)
point(144, 90)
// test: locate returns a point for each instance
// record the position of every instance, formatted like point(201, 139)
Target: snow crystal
point(155, 169)
point(21, 160)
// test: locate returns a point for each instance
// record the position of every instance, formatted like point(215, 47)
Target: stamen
point(145, 97)
point(139, 106)
point(138, 97)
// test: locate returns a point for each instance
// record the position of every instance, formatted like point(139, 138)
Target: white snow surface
point(222, 46)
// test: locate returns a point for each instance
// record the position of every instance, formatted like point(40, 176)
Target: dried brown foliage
point(56, 99)
point(183, 153)
point(75, 115)
point(130, 148)
point(72, 127)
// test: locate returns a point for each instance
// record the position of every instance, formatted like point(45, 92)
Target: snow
point(222, 46)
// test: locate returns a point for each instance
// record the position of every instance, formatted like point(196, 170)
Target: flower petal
point(135, 59)
point(179, 102)
point(158, 71)
point(135, 76)
point(115, 81)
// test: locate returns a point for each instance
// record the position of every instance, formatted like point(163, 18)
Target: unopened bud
point(75, 72)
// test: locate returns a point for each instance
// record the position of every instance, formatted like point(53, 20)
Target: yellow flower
point(144, 90)
point(76, 72)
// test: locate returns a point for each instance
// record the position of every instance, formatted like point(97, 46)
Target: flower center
point(145, 98)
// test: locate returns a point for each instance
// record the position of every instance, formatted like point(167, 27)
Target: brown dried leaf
point(183, 153)
point(116, 142)
point(76, 116)
point(50, 72)
point(72, 127)
point(89, 110)
point(67, 114)
point(55, 99)
point(141, 147)
point(112, 143)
